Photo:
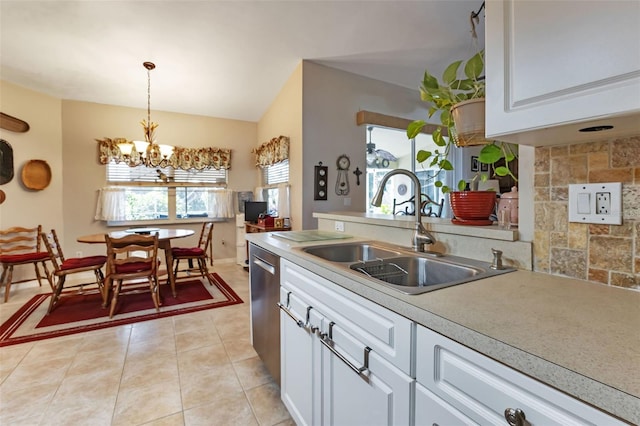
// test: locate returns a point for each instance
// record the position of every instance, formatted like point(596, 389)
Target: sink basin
point(351, 252)
point(418, 274)
point(403, 269)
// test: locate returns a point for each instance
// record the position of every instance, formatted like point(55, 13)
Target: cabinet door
point(386, 332)
point(483, 389)
point(381, 397)
point(300, 359)
point(433, 411)
point(555, 67)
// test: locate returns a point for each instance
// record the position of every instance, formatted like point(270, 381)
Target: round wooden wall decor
point(36, 174)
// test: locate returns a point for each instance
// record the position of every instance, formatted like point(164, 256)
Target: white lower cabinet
point(486, 391)
point(348, 361)
point(345, 360)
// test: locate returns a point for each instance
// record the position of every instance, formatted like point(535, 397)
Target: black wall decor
point(320, 182)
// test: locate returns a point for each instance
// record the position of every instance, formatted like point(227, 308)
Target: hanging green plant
point(446, 95)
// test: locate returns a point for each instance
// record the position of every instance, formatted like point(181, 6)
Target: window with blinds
point(165, 193)
point(121, 173)
point(276, 173)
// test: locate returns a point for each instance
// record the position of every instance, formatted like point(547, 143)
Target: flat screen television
point(253, 209)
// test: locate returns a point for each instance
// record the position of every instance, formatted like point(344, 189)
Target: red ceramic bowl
point(472, 205)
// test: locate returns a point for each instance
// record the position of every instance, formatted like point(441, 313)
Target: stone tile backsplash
point(607, 254)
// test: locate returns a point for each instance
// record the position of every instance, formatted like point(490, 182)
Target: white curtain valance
point(272, 152)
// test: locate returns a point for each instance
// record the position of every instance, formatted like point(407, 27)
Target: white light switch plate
point(596, 203)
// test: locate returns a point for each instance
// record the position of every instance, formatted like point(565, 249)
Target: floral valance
point(182, 158)
point(272, 152)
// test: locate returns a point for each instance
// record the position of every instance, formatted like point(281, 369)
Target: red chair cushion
point(187, 251)
point(128, 268)
point(83, 262)
point(24, 257)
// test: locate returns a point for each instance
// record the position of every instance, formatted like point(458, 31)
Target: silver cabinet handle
point(516, 417)
point(264, 265)
point(327, 341)
point(286, 310)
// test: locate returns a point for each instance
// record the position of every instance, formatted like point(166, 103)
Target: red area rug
point(80, 312)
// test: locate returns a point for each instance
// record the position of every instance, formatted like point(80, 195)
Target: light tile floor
point(194, 369)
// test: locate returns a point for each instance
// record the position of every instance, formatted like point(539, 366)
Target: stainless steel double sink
point(402, 269)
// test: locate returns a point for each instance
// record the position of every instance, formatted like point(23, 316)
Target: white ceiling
point(225, 59)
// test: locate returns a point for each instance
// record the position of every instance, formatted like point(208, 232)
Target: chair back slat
point(132, 249)
point(205, 235)
point(52, 245)
point(17, 240)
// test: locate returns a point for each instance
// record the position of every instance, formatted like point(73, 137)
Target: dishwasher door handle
point(264, 265)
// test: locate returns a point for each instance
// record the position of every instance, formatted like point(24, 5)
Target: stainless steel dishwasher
point(264, 276)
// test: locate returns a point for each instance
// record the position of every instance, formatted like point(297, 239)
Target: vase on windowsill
point(472, 207)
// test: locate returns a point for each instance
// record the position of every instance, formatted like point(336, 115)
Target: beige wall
point(284, 118)
point(608, 254)
point(25, 207)
point(83, 122)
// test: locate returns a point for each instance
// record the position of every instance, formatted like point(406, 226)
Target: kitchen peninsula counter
point(579, 337)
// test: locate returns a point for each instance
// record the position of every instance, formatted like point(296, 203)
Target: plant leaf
point(438, 139)
point(445, 188)
point(462, 184)
point(429, 81)
point(437, 184)
point(502, 171)
point(446, 165)
point(415, 128)
point(422, 156)
point(451, 73)
point(463, 85)
point(490, 154)
point(474, 66)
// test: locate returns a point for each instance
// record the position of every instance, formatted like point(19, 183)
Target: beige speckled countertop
point(579, 337)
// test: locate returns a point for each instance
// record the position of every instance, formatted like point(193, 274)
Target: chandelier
point(148, 151)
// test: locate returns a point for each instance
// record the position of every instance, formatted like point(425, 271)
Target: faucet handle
point(497, 259)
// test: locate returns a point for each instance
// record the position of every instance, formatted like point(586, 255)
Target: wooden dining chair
point(20, 246)
point(198, 253)
point(63, 267)
point(132, 259)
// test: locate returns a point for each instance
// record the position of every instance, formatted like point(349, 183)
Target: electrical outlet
point(603, 202)
point(339, 226)
point(596, 203)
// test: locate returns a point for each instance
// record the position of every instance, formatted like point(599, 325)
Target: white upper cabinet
point(553, 68)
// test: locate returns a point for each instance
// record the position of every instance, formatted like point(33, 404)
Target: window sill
point(163, 222)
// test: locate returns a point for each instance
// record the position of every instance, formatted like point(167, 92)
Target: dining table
point(165, 235)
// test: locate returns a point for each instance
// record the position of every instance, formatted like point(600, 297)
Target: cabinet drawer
point(385, 332)
point(482, 388)
point(433, 411)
